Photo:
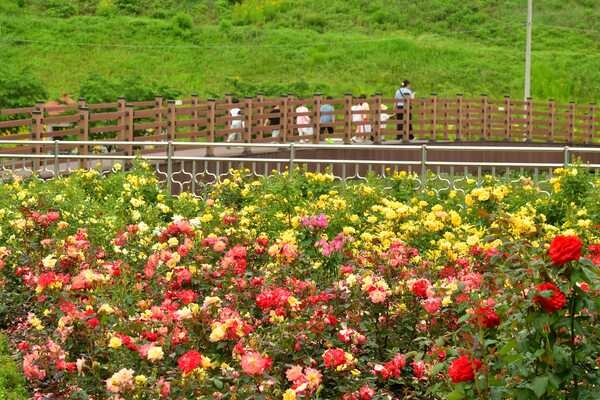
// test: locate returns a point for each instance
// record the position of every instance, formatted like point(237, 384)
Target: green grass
point(358, 46)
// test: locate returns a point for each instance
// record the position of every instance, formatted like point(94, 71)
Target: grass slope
point(212, 47)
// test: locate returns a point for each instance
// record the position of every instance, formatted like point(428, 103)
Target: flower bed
point(301, 287)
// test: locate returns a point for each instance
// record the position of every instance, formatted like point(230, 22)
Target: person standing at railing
point(303, 119)
point(404, 92)
point(274, 120)
point(236, 123)
point(328, 118)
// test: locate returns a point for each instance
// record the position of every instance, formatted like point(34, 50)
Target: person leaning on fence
point(328, 118)
point(404, 92)
point(237, 123)
point(306, 129)
point(274, 120)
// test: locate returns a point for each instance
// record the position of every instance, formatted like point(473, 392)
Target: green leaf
point(456, 395)
point(218, 383)
point(539, 385)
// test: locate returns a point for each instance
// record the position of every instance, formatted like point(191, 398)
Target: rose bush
point(296, 286)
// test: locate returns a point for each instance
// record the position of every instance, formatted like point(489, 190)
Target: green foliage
point(442, 46)
point(98, 88)
point(12, 384)
point(61, 8)
point(18, 87)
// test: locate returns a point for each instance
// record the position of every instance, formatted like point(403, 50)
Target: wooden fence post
point(571, 122)
point(81, 102)
point(172, 119)
point(37, 119)
point(283, 120)
point(484, 117)
point(348, 118)
point(591, 125)
point(158, 116)
point(129, 128)
point(407, 123)
point(551, 121)
point(507, 119)
point(529, 108)
point(211, 125)
point(317, 99)
point(434, 107)
point(376, 128)
point(121, 106)
point(195, 114)
point(84, 129)
point(260, 111)
point(248, 121)
point(460, 117)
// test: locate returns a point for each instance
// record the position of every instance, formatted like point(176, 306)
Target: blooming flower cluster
point(115, 289)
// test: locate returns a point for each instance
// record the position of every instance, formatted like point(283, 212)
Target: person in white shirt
point(403, 93)
point(237, 123)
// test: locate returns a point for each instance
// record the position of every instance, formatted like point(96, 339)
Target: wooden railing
point(429, 119)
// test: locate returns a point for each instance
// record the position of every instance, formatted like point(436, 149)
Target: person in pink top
point(303, 120)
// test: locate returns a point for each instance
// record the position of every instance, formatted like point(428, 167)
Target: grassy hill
point(103, 48)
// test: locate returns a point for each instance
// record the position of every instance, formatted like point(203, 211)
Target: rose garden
point(298, 286)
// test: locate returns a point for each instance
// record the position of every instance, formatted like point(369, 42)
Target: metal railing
point(190, 166)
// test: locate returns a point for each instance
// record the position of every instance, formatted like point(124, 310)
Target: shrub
point(19, 88)
point(61, 8)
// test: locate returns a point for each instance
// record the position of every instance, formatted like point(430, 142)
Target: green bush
point(18, 87)
point(12, 384)
point(99, 88)
point(106, 8)
point(61, 8)
point(183, 21)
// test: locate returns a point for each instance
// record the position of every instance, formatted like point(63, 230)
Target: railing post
point(55, 154)
point(121, 105)
point(434, 107)
point(284, 118)
point(552, 119)
point(260, 111)
point(36, 134)
point(459, 127)
point(195, 126)
point(423, 166)
point(376, 113)
point(591, 125)
point(484, 117)
point(566, 157)
point(317, 99)
point(169, 165)
point(248, 121)
point(81, 102)
point(211, 125)
point(571, 120)
point(347, 118)
point(158, 116)
point(407, 120)
point(172, 120)
point(529, 107)
point(292, 158)
point(84, 129)
point(507, 119)
point(130, 112)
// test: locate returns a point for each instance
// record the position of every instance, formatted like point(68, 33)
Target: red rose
point(486, 317)
point(253, 363)
point(594, 256)
point(564, 249)
point(420, 287)
point(334, 357)
point(189, 361)
point(551, 298)
point(463, 369)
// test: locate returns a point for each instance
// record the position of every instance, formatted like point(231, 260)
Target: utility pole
point(528, 49)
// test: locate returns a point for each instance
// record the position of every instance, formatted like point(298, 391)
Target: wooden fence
point(259, 119)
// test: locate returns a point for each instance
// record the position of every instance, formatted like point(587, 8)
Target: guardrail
point(176, 166)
